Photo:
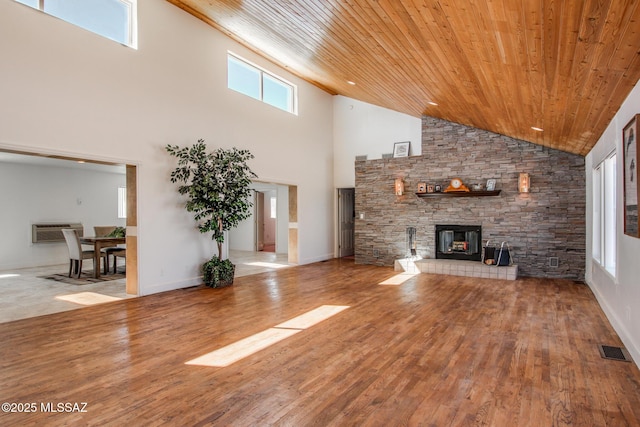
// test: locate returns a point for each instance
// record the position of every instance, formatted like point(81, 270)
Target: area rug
point(86, 278)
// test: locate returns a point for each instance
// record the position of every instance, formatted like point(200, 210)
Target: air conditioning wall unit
point(52, 232)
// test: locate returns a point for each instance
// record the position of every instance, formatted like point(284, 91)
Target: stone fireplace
point(462, 242)
point(545, 224)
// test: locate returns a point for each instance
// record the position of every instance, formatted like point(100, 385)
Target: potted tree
point(217, 188)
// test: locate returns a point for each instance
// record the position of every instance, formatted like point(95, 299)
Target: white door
point(259, 215)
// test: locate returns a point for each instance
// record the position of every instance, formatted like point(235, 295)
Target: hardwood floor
point(433, 351)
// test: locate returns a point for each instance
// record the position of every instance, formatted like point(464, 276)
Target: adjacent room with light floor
point(443, 229)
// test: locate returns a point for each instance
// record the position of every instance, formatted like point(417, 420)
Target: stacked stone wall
point(547, 223)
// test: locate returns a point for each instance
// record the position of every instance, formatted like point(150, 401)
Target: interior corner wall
point(547, 222)
point(70, 92)
point(364, 129)
point(618, 296)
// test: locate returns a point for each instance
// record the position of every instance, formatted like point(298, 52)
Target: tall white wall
point(619, 297)
point(35, 194)
point(67, 91)
point(365, 129)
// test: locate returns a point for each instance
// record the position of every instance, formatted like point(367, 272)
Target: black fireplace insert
point(463, 242)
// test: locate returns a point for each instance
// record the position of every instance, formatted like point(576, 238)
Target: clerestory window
point(113, 19)
point(260, 84)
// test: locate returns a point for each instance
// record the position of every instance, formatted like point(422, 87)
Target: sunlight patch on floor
point(231, 353)
point(312, 317)
point(398, 279)
point(266, 264)
point(243, 348)
point(87, 298)
point(6, 276)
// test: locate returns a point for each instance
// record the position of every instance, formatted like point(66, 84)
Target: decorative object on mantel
point(491, 184)
point(631, 189)
point(456, 185)
point(422, 187)
point(524, 183)
point(438, 188)
point(401, 149)
point(399, 186)
point(431, 188)
point(459, 194)
point(476, 187)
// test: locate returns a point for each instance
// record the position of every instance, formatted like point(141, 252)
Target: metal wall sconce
point(399, 187)
point(524, 183)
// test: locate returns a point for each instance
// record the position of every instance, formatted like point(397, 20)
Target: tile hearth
point(457, 268)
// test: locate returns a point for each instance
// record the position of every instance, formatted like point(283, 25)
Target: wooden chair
point(104, 231)
point(115, 252)
point(76, 253)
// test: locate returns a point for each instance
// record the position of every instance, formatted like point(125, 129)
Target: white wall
point(35, 194)
point(619, 296)
point(67, 91)
point(365, 129)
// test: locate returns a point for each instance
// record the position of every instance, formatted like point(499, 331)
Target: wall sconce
point(399, 186)
point(524, 183)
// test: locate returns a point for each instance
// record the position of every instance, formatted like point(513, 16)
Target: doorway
point(271, 231)
point(50, 179)
point(266, 220)
point(346, 222)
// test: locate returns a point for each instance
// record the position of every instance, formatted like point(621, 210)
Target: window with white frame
point(113, 19)
point(122, 202)
point(274, 205)
point(260, 84)
point(604, 214)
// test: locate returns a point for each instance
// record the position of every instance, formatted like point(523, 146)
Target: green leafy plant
point(218, 272)
point(217, 186)
point(118, 232)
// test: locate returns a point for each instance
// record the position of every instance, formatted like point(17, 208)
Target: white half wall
point(618, 296)
point(70, 92)
point(365, 129)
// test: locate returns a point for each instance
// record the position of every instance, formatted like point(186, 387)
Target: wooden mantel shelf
point(461, 194)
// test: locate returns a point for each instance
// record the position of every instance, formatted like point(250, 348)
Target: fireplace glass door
point(461, 242)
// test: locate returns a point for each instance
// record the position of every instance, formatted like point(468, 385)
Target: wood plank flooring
point(434, 351)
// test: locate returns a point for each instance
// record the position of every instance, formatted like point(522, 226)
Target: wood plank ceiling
point(501, 65)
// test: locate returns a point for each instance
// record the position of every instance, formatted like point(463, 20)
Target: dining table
point(99, 242)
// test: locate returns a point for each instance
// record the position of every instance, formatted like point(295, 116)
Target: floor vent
point(614, 353)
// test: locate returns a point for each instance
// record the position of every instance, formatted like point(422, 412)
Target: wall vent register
point(52, 232)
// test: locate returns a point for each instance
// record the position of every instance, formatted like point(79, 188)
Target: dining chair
point(76, 253)
point(104, 231)
point(116, 252)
